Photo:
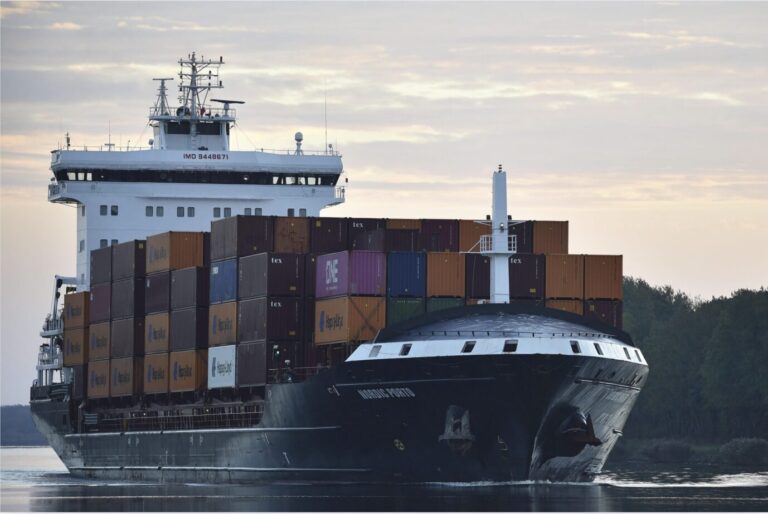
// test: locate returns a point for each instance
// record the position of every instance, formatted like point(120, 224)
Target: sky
point(643, 124)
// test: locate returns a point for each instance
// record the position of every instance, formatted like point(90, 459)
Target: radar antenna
point(226, 104)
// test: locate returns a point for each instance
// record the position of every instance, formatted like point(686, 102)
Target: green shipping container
point(438, 304)
point(402, 309)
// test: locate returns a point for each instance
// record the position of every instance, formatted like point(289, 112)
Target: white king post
point(500, 249)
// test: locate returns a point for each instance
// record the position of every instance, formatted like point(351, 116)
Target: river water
point(35, 479)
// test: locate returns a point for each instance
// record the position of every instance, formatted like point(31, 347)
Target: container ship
point(218, 329)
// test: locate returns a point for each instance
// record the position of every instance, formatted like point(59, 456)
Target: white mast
point(499, 245)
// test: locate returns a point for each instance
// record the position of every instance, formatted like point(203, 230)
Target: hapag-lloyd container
point(565, 276)
point(354, 273)
point(156, 373)
point(76, 309)
point(100, 303)
point(327, 235)
point(251, 363)
point(607, 311)
point(75, 346)
point(439, 235)
point(445, 274)
point(222, 366)
point(291, 235)
point(271, 274)
point(127, 338)
point(129, 260)
point(189, 288)
point(270, 318)
point(176, 250)
point(126, 377)
point(99, 335)
point(603, 277)
point(527, 275)
point(157, 292)
point(238, 236)
point(127, 298)
point(98, 379)
point(222, 324)
point(188, 370)
point(189, 329)
point(157, 333)
point(223, 284)
point(349, 319)
point(550, 237)
point(478, 275)
point(101, 265)
point(406, 274)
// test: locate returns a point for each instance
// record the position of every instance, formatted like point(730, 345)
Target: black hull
point(447, 419)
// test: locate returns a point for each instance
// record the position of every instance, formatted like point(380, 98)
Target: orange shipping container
point(126, 376)
point(291, 235)
point(75, 346)
point(550, 237)
point(565, 276)
point(76, 306)
point(349, 318)
point(175, 250)
point(99, 336)
point(188, 370)
point(98, 379)
point(574, 306)
point(156, 373)
point(157, 332)
point(403, 224)
point(222, 324)
point(445, 274)
point(603, 277)
point(470, 232)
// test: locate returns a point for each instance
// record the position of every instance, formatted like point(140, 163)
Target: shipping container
point(129, 260)
point(222, 368)
point(349, 318)
point(308, 328)
point(354, 273)
point(188, 370)
point(99, 335)
point(98, 379)
point(156, 373)
point(403, 309)
point(291, 235)
point(446, 274)
point(527, 275)
point(251, 363)
point(310, 274)
point(79, 382)
point(366, 234)
point(565, 276)
point(574, 306)
point(550, 237)
point(400, 240)
point(127, 338)
point(157, 292)
point(523, 232)
point(189, 288)
point(157, 333)
point(223, 284)
point(478, 275)
point(127, 298)
point(177, 250)
point(470, 232)
point(127, 377)
point(439, 235)
point(327, 235)
point(603, 277)
point(407, 274)
point(607, 311)
point(403, 224)
point(99, 306)
point(189, 329)
point(239, 236)
point(101, 266)
point(271, 274)
point(222, 324)
point(76, 309)
point(439, 304)
point(75, 346)
point(270, 318)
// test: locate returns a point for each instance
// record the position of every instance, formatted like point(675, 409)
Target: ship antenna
point(499, 245)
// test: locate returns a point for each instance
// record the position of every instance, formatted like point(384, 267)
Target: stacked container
point(367, 234)
point(602, 288)
point(446, 280)
point(75, 343)
point(565, 282)
point(99, 330)
point(406, 286)
point(402, 235)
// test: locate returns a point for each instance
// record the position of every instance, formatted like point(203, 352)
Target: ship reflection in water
point(32, 479)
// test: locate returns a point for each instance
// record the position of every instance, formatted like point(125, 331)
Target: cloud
point(680, 39)
point(23, 8)
point(65, 25)
point(716, 97)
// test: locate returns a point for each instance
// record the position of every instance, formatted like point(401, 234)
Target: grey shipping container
point(251, 364)
point(127, 338)
point(527, 275)
point(238, 236)
point(270, 319)
point(157, 292)
point(100, 303)
point(327, 235)
point(128, 298)
point(439, 235)
point(129, 260)
point(271, 274)
point(189, 288)
point(101, 265)
point(478, 276)
point(189, 329)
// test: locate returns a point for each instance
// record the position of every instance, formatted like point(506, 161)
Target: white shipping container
point(221, 366)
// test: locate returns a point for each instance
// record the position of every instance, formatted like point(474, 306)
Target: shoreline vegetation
point(706, 399)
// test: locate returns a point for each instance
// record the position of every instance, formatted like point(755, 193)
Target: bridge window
point(190, 212)
point(114, 242)
point(227, 212)
point(82, 245)
point(160, 211)
point(247, 211)
point(113, 210)
point(103, 243)
point(217, 212)
point(257, 211)
point(103, 210)
point(291, 213)
point(575, 348)
point(311, 181)
point(179, 212)
point(598, 349)
point(149, 211)
point(405, 350)
point(303, 213)
point(82, 210)
point(510, 346)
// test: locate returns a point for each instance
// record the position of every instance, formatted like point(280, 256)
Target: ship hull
point(491, 418)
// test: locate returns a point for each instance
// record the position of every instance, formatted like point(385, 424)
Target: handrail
point(115, 148)
point(504, 333)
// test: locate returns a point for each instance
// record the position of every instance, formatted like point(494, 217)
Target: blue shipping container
point(406, 274)
point(223, 284)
